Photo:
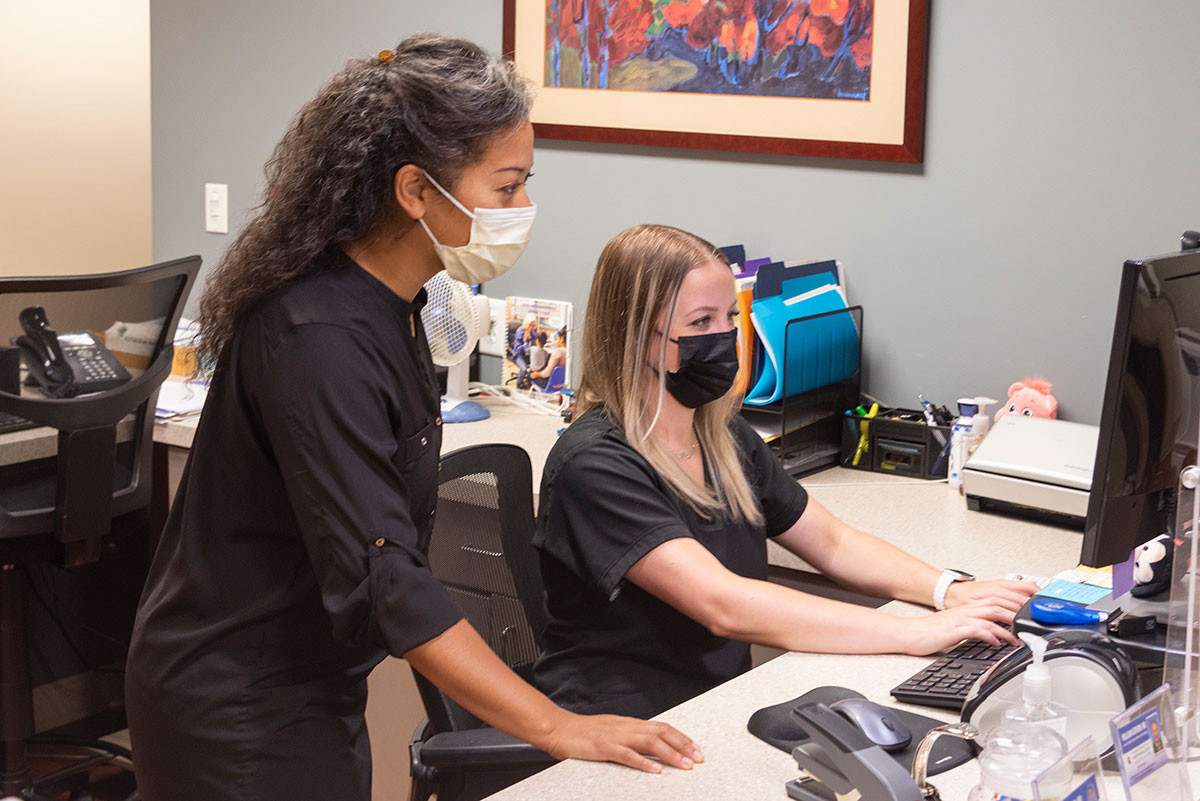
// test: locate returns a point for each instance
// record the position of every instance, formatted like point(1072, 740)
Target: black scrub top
point(611, 646)
point(294, 557)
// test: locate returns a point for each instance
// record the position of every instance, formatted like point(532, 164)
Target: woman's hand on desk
point(1010, 595)
point(462, 665)
point(626, 741)
point(975, 621)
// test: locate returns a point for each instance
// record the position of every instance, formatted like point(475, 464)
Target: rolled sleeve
point(324, 405)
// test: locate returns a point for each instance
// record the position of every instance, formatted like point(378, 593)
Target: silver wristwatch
point(948, 577)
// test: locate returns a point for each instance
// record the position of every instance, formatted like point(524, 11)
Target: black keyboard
point(946, 682)
point(10, 422)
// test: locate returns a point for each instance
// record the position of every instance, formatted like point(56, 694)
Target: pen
point(928, 408)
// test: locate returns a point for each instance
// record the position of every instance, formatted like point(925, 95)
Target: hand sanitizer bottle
point(1036, 706)
point(960, 432)
point(969, 429)
point(980, 424)
point(1013, 757)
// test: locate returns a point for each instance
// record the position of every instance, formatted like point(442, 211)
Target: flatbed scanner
point(1033, 466)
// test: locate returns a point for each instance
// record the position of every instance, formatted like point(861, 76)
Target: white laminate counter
point(508, 424)
point(931, 521)
point(927, 519)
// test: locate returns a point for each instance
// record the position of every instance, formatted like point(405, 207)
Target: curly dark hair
point(435, 101)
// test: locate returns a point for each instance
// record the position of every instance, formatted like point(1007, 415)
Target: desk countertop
point(928, 519)
point(931, 521)
point(508, 424)
point(534, 432)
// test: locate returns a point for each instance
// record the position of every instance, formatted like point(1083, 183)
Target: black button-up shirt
point(294, 558)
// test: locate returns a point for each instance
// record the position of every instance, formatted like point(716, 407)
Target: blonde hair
point(637, 279)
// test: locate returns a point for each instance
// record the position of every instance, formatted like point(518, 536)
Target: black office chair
point(65, 509)
point(482, 551)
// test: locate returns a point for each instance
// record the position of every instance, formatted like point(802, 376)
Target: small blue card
point(1062, 590)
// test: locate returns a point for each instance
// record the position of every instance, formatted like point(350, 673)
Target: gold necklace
point(689, 453)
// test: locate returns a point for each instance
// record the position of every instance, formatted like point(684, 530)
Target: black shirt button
point(379, 542)
point(437, 422)
point(424, 441)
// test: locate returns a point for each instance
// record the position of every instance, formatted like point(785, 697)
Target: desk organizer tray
point(896, 446)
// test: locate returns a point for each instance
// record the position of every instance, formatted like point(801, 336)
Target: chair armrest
point(480, 749)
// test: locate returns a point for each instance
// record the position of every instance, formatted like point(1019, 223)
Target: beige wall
point(74, 136)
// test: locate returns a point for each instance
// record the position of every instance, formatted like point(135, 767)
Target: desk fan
point(454, 320)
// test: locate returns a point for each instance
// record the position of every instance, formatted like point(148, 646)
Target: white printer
point(1033, 464)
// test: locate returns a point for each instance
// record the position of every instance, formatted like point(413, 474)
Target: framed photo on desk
point(835, 78)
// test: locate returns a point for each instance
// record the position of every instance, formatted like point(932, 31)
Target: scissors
point(863, 427)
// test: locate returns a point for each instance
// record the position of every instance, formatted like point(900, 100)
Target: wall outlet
point(493, 342)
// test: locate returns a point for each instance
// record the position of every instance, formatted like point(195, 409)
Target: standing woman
point(294, 558)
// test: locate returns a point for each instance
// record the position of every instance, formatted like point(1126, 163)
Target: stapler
point(839, 759)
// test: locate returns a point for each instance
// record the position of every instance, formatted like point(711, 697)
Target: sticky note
point(1071, 591)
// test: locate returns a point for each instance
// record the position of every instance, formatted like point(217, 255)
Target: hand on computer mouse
point(1011, 595)
point(936, 632)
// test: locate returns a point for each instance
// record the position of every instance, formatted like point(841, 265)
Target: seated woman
point(658, 501)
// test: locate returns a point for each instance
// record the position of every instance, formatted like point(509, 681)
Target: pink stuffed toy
point(1031, 398)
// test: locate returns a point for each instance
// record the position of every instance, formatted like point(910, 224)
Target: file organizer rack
point(805, 429)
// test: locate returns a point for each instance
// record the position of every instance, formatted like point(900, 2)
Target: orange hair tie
point(385, 56)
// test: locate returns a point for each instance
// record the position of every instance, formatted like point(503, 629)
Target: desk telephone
point(69, 364)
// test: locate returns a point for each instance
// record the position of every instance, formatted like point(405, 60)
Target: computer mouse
point(881, 725)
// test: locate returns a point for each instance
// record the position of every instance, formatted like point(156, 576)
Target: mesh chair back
point(482, 552)
point(95, 475)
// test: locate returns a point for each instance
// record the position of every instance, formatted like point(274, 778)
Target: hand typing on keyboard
point(1010, 595)
point(946, 682)
point(985, 622)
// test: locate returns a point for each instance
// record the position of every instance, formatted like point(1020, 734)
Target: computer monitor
point(1148, 425)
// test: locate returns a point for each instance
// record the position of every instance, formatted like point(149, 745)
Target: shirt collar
point(402, 306)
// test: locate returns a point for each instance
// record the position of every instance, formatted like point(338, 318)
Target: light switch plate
point(216, 208)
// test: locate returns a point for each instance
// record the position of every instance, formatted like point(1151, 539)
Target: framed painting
point(836, 78)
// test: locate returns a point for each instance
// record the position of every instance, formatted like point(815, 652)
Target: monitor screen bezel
point(1098, 550)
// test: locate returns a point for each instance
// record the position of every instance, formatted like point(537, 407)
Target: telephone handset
point(66, 365)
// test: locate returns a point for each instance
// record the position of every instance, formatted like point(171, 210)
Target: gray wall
point(1059, 140)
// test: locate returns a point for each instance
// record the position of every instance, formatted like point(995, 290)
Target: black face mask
point(708, 366)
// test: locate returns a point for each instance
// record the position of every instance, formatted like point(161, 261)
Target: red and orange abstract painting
point(777, 48)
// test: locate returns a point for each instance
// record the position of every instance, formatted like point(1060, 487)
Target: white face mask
point(498, 238)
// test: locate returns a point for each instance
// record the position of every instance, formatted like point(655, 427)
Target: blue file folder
point(820, 351)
